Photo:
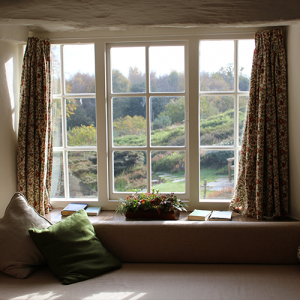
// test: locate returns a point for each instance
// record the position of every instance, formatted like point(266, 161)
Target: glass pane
point(216, 120)
point(55, 69)
point(243, 103)
point(81, 122)
point(129, 121)
point(82, 174)
point(245, 57)
point(216, 174)
point(168, 171)
point(79, 68)
point(57, 123)
point(216, 65)
point(167, 121)
point(128, 70)
point(57, 184)
point(130, 171)
point(166, 69)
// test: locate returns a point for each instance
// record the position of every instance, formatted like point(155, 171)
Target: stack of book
point(73, 207)
point(208, 215)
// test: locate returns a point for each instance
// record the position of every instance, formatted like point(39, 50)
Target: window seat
point(180, 260)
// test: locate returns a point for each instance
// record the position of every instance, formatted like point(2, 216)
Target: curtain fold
point(35, 148)
point(262, 187)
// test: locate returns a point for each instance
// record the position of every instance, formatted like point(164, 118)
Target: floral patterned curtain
point(35, 149)
point(262, 187)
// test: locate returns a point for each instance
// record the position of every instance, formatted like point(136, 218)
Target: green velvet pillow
point(72, 250)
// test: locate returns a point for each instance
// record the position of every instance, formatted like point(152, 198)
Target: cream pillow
point(19, 255)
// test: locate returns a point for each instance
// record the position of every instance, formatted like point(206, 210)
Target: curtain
point(35, 148)
point(262, 186)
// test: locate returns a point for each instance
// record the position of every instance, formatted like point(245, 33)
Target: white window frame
point(192, 37)
point(113, 195)
point(63, 96)
point(236, 94)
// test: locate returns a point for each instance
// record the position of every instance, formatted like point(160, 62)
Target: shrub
point(161, 121)
point(168, 162)
point(82, 136)
point(128, 125)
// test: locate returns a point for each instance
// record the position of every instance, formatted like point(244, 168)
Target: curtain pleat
point(262, 187)
point(35, 148)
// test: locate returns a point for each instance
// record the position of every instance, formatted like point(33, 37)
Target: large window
point(147, 133)
point(74, 122)
point(136, 114)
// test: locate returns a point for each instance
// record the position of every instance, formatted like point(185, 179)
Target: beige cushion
point(19, 256)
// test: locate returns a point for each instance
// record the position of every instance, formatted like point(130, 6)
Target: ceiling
point(82, 15)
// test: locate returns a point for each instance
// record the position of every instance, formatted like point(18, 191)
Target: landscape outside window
point(222, 90)
point(74, 122)
point(148, 147)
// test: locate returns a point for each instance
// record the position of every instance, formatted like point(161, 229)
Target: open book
point(217, 215)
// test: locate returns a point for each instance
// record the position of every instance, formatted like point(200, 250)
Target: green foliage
point(128, 125)
point(215, 159)
point(170, 136)
point(168, 162)
point(161, 122)
point(82, 136)
point(124, 161)
point(80, 83)
point(175, 110)
point(150, 201)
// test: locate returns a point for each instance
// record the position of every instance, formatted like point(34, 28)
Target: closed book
point(225, 215)
point(199, 215)
point(93, 211)
point(72, 207)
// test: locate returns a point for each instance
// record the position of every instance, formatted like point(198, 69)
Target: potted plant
point(151, 206)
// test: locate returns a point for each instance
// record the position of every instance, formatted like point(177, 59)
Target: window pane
point(168, 171)
point(57, 184)
point(167, 121)
point(57, 123)
point(245, 57)
point(129, 121)
point(82, 174)
point(128, 70)
point(243, 102)
point(216, 65)
point(216, 120)
point(166, 69)
point(79, 68)
point(130, 171)
point(55, 69)
point(216, 174)
point(81, 122)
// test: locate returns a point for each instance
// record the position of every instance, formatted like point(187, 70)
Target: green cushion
point(72, 250)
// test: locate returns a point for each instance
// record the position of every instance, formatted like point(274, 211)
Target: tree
point(120, 83)
point(81, 83)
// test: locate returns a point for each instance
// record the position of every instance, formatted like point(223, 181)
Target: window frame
point(113, 195)
point(192, 37)
point(236, 94)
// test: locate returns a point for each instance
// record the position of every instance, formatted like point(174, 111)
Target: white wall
point(9, 86)
point(293, 64)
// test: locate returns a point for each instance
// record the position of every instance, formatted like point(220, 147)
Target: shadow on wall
point(8, 135)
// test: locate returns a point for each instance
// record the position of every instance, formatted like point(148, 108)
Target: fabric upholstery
point(164, 282)
point(216, 242)
point(19, 256)
point(72, 250)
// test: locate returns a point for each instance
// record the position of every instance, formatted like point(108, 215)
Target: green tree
point(175, 110)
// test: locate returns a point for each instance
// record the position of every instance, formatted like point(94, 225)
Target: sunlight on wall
point(47, 296)
point(9, 69)
point(115, 296)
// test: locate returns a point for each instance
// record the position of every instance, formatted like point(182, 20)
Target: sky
point(162, 59)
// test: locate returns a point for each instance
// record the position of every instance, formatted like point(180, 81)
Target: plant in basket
point(150, 205)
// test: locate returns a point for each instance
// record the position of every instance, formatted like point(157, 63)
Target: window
point(147, 103)
point(225, 67)
point(74, 122)
point(141, 113)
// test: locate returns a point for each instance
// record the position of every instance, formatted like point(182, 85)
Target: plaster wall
point(293, 65)
point(9, 86)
